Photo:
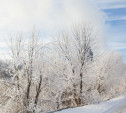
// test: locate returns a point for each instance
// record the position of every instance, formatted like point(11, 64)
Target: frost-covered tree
point(27, 73)
point(72, 70)
point(4, 70)
point(111, 73)
point(76, 52)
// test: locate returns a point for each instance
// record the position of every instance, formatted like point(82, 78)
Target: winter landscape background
point(62, 54)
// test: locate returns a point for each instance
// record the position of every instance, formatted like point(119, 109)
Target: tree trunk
point(81, 87)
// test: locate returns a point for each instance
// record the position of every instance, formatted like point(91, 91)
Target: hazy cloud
point(46, 14)
point(49, 16)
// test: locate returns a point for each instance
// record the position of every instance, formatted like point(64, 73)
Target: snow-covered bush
point(111, 75)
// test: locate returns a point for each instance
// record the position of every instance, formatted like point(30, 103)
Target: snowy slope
point(104, 107)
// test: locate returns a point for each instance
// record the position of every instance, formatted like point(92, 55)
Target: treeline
point(72, 70)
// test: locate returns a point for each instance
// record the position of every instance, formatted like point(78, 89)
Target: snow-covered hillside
point(109, 106)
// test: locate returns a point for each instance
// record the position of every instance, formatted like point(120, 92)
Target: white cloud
point(116, 6)
point(3, 45)
point(116, 18)
point(110, 1)
point(111, 4)
point(118, 46)
point(47, 15)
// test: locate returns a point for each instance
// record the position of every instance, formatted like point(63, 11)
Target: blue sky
point(116, 13)
point(49, 15)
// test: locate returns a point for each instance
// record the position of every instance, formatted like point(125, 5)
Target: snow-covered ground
point(110, 106)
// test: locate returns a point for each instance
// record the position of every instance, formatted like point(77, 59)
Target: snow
point(104, 107)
